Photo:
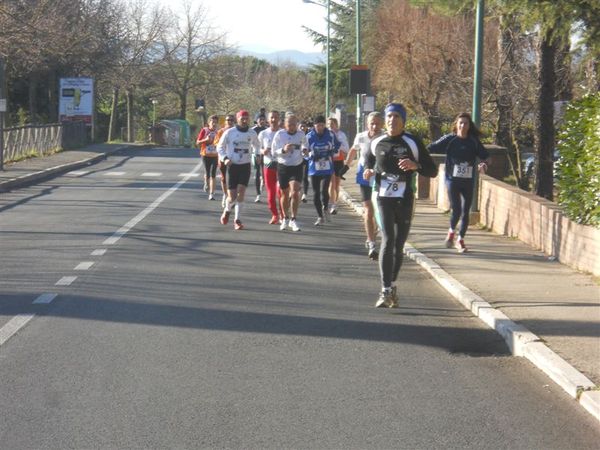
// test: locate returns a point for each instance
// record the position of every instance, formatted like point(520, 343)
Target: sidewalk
point(32, 170)
point(546, 311)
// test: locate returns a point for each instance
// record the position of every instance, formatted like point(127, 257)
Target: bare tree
point(190, 48)
point(423, 61)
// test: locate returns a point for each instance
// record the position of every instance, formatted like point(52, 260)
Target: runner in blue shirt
point(322, 145)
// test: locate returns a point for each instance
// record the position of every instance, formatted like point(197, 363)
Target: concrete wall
point(536, 221)
point(540, 223)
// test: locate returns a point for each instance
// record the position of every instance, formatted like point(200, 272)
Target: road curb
point(31, 178)
point(519, 339)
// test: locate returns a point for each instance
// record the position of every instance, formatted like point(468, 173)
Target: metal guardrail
point(41, 140)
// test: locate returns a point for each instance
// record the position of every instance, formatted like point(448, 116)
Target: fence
point(40, 140)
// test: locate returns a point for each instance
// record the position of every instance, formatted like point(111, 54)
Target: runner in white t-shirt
point(289, 147)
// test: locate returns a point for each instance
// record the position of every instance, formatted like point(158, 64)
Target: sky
point(264, 26)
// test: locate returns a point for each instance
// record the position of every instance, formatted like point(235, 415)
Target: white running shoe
point(333, 209)
point(284, 224)
point(211, 196)
point(257, 199)
point(320, 221)
point(303, 198)
point(294, 225)
point(223, 201)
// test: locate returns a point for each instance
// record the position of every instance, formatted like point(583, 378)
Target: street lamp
point(327, 5)
point(154, 102)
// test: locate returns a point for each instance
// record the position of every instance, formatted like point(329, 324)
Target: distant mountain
point(285, 56)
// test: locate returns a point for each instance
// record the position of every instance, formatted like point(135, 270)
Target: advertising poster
point(76, 99)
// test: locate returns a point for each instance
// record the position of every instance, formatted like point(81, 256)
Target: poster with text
point(76, 99)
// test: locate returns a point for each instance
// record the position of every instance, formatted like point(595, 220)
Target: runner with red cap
point(236, 147)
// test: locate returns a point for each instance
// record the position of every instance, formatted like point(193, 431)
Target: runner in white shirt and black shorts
point(236, 147)
point(289, 147)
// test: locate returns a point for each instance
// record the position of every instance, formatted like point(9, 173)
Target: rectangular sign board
point(2, 105)
point(76, 99)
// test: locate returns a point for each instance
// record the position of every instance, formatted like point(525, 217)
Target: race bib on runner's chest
point(322, 164)
point(392, 188)
point(211, 149)
point(462, 170)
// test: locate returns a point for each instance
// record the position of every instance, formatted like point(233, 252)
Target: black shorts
point(285, 174)
point(365, 192)
point(210, 166)
point(239, 174)
point(337, 166)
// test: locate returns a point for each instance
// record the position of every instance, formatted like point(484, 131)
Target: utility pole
point(358, 62)
point(477, 76)
point(2, 111)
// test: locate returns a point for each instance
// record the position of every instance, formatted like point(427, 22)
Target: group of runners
point(287, 153)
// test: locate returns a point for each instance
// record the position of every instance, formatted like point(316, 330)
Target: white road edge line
point(137, 219)
point(519, 339)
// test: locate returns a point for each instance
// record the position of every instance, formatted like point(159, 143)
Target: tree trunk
point(564, 80)
point(182, 105)
point(435, 126)
point(33, 84)
point(112, 123)
point(505, 99)
point(544, 133)
point(52, 96)
point(130, 131)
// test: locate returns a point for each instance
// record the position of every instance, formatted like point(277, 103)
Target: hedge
point(578, 168)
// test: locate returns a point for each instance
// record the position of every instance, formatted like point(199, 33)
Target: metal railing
point(41, 140)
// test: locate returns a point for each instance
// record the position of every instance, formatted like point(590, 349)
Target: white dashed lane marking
point(78, 173)
point(151, 174)
point(13, 325)
point(98, 252)
point(84, 265)
point(114, 174)
point(190, 175)
point(65, 281)
point(44, 299)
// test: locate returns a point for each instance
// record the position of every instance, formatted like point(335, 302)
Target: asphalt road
point(178, 332)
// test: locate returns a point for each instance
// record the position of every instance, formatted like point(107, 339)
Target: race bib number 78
point(391, 188)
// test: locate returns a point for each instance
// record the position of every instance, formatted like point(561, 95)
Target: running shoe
point(320, 221)
point(384, 300)
point(257, 199)
point(205, 187)
point(333, 210)
point(326, 215)
point(449, 239)
point(274, 220)
point(284, 224)
point(225, 217)
point(304, 198)
point(294, 225)
point(373, 255)
point(238, 225)
point(394, 300)
point(211, 196)
point(223, 201)
point(460, 246)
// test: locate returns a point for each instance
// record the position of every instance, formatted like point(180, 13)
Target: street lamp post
point(154, 102)
point(477, 77)
point(358, 62)
point(327, 5)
